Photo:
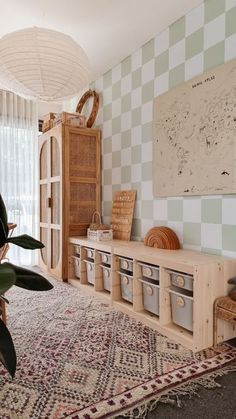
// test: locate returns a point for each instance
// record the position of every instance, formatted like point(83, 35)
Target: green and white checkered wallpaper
point(204, 38)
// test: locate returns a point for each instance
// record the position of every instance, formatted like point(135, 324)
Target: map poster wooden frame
point(194, 136)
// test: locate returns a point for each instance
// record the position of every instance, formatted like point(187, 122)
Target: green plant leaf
point(25, 241)
point(7, 277)
point(3, 236)
point(7, 350)
point(29, 280)
point(3, 215)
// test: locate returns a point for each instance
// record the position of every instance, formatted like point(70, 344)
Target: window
point(18, 167)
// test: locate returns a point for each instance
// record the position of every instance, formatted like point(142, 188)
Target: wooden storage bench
point(193, 276)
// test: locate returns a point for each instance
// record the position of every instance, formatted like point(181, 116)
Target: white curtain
point(18, 168)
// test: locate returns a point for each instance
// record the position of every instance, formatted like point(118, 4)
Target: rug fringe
point(172, 396)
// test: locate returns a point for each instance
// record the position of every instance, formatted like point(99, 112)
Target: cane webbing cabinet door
point(69, 166)
point(51, 192)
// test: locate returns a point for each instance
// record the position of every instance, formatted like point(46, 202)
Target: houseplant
point(14, 275)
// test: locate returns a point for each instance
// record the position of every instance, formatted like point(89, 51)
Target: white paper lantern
point(42, 64)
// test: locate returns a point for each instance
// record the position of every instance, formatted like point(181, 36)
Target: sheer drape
point(18, 167)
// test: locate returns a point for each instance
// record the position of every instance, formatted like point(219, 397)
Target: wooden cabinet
point(196, 279)
point(69, 172)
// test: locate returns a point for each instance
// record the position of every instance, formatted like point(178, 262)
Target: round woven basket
point(98, 225)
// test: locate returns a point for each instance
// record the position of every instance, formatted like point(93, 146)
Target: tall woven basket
point(98, 231)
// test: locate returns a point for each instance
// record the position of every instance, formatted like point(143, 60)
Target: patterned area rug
point(80, 359)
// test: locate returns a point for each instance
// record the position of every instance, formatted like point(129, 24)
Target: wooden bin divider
point(137, 287)
point(83, 266)
point(116, 288)
point(165, 304)
point(98, 273)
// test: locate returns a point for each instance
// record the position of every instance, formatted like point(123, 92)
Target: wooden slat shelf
point(146, 315)
point(179, 330)
point(104, 293)
point(209, 274)
point(124, 306)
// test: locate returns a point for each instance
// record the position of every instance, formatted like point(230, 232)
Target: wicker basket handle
point(97, 214)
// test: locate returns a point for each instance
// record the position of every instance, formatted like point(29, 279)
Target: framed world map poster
point(194, 136)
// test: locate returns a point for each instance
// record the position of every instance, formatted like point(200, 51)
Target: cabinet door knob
point(180, 302)
point(125, 280)
point(180, 281)
point(49, 202)
point(149, 290)
point(125, 264)
point(148, 271)
point(90, 253)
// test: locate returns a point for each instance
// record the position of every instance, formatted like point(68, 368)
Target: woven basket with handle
point(97, 222)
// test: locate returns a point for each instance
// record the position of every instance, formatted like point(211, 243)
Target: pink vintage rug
point(80, 359)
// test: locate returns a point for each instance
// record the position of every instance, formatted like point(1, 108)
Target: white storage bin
point(106, 274)
point(126, 284)
point(76, 265)
point(90, 253)
point(90, 266)
point(76, 250)
point(182, 307)
point(100, 235)
point(105, 258)
point(149, 271)
point(126, 264)
point(181, 280)
point(151, 295)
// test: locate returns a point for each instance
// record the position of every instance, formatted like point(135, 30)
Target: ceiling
point(108, 30)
